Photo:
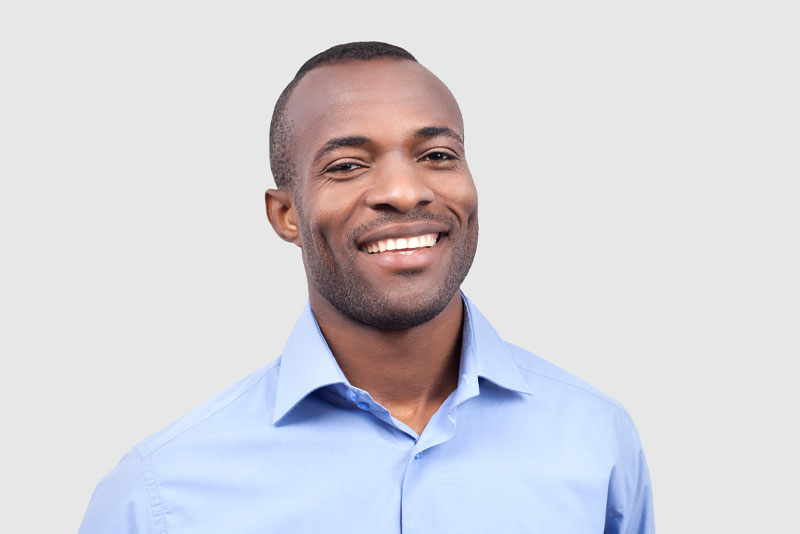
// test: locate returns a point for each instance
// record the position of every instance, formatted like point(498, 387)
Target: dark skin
point(399, 156)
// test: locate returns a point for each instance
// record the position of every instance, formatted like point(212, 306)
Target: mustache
point(392, 217)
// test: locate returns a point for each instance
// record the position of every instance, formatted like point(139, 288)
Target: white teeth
point(400, 244)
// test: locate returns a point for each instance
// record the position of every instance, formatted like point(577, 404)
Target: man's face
point(381, 166)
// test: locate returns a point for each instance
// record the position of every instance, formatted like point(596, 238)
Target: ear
point(282, 215)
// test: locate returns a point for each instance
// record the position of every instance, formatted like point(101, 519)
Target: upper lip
point(402, 230)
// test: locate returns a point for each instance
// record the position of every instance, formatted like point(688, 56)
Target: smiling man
point(395, 406)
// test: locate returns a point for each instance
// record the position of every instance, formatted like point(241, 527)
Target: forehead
point(382, 99)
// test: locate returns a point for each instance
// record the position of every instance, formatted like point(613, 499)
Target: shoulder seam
point(275, 365)
point(614, 403)
point(157, 512)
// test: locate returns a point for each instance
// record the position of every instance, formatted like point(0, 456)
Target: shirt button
point(418, 456)
point(363, 405)
point(352, 395)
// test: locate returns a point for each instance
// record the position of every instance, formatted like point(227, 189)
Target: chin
point(393, 311)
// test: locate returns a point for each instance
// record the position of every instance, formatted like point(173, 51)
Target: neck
point(409, 372)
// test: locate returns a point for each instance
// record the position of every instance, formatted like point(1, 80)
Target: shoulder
point(571, 402)
point(120, 503)
point(599, 422)
point(544, 376)
point(236, 400)
point(130, 494)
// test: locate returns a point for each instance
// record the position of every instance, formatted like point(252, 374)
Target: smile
point(402, 245)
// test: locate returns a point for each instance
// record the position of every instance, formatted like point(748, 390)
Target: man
point(394, 407)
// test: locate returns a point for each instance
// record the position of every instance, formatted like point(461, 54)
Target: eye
point(344, 167)
point(438, 156)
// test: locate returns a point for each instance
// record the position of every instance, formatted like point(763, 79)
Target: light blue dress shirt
point(519, 446)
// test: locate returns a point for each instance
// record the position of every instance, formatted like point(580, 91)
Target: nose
point(398, 185)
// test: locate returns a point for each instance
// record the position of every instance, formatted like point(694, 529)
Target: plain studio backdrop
point(637, 166)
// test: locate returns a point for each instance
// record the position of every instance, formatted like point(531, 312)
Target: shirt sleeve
point(629, 508)
point(120, 503)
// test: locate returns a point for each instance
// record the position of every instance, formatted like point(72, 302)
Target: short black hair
point(280, 131)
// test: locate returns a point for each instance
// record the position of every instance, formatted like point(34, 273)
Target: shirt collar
point(307, 363)
point(489, 355)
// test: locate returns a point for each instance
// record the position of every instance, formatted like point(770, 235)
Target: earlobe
point(282, 215)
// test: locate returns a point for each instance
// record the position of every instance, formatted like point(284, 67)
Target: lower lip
point(419, 259)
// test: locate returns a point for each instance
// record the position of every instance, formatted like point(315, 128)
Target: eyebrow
point(426, 132)
point(339, 142)
point(429, 132)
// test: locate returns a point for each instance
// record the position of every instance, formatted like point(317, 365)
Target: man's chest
point(356, 475)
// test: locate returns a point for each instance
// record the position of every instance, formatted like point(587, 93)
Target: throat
point(418, 416)
point(410, 372)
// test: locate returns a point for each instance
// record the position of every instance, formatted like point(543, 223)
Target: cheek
point(327, 224)
point(463, 197)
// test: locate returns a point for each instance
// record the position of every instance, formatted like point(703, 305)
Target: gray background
point(637, 165)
